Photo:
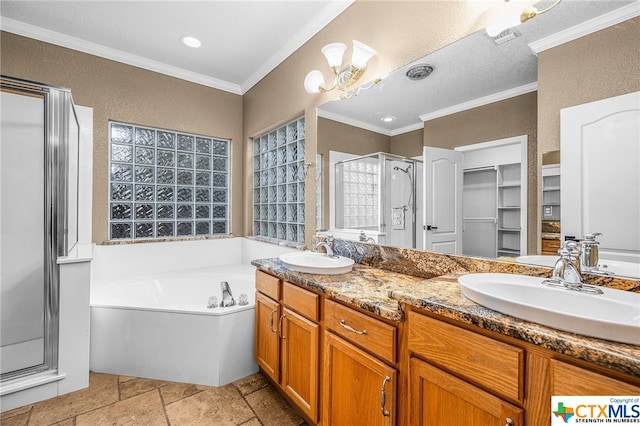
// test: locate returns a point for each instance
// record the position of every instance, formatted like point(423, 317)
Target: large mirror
point(478, 98)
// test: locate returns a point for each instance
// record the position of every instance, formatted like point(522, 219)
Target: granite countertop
point(385, 293)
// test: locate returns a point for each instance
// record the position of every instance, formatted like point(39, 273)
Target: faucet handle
point(569, 249)
point(591, 238)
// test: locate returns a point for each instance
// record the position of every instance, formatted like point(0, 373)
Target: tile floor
point(123, 400)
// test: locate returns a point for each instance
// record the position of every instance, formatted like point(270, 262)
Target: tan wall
point(400, 31)
point(598, 66)
point(124, 93)
point(511, 117)
point(335, 136)
point(408, 144)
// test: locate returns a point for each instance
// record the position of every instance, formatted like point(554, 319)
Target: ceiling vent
point(504, 36)
point(419, 72)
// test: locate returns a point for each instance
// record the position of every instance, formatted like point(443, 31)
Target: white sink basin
point(316, 263)
point(614, 315)
point(623, 269)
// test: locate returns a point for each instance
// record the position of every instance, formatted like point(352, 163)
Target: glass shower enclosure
point(39, 133)
point(375, 195)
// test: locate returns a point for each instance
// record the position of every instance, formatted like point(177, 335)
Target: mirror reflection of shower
point(374, 198)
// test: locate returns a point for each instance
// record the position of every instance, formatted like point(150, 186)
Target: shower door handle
point(431, 228)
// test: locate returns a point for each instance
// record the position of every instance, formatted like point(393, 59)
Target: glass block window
point(165, 184)
point(278, 183)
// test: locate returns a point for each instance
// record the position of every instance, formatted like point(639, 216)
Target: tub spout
point(227, 297)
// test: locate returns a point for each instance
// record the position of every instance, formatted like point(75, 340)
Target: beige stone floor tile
point(125, 378)
point(173, 392)
point(145, 409)
point(214, 406)
point(102, 391)
point(137, 386)
point(20, 419)
point(272, 409)
point(15, 412)
point(253, 422)
point(68, 422)
point(250, 384)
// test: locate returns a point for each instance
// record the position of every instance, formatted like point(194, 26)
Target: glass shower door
point(22, 219)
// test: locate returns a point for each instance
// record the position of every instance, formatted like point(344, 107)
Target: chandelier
point(345, 76)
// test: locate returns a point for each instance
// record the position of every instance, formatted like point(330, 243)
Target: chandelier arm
point(550, 7)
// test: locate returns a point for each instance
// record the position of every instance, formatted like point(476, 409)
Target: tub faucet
point(328, 246)
point(227, 297)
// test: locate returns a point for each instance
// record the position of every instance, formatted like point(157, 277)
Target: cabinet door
point(267, 344)
point(300, 361)
point(440, 399)
point(358, 389)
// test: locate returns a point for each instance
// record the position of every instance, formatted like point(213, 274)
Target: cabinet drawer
point(300, 300)
point(268, 285)
point(550, 245)
point(489, 363)
point(370, 333)
point(585, 382)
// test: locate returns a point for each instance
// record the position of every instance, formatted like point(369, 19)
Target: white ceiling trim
point(74, 43)
point(588, 27)
point(321, 20)
point(351, 122)
point(407, 129)
point(496, 97)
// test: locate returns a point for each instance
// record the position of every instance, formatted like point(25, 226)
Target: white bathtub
point(157, 325)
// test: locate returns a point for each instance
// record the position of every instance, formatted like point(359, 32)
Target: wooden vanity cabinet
point(441, 399)
point(359, 386)
point(287, 339)
point(460, 377)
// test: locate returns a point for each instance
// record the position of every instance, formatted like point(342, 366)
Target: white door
point(600, 169)
point(442, 200)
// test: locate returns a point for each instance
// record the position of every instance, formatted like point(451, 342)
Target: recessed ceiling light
point(388, 119)
point(190, 41)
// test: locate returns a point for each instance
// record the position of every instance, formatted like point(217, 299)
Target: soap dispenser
point(589, 247)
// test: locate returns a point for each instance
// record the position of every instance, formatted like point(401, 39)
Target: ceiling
point(242, 41)
point(471, 71)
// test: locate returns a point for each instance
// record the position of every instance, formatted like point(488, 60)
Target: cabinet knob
point(509, 422)
point(383, 397)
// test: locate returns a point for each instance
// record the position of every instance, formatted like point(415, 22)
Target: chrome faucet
point(327, 244)
point(567, 272)
point(567, 268)
point(365, 239)
point(589, 247)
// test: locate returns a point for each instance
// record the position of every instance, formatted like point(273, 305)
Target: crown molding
point(351, 122)
point(406, 129)
point(588, 27)
point(321, 20)
point(48, 36)
point(496, 97)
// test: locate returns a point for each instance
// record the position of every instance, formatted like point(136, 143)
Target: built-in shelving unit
point(551, 192)
point(509, 208)
point(492, 211)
